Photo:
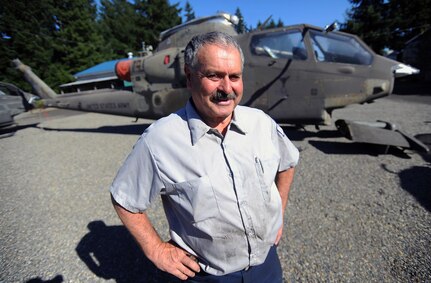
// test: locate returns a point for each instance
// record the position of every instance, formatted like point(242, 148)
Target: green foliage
point(388, 24)
point(155, 16)
point(272, 24)
point(117, 24)
point(58, 38)
point(77, 42)
point(125, 26)
point(26, 30)
point(241, 26)
point(190, 14)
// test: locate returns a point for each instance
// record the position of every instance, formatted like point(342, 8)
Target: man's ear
point(187, 71)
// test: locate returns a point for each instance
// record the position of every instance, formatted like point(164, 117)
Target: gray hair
point(217, 38)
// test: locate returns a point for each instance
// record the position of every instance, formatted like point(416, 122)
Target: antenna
point(262, 26)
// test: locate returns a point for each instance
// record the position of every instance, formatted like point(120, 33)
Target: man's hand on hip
point(175, 260)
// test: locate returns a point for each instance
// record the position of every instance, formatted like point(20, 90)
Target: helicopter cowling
point(164, 69)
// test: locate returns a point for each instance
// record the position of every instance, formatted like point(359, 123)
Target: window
point(286, 44)
point(338, 48)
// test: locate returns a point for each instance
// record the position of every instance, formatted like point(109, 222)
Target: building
point(97, 77)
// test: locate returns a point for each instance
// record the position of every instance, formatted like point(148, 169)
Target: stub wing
point(381, 133)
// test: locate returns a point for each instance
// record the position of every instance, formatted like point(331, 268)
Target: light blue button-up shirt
point(218, 193)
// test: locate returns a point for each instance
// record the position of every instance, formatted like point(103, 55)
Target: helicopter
point(13, 101)
point(297, 74)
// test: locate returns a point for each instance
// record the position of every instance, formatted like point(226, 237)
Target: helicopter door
point(277, 78)
point(343, 65)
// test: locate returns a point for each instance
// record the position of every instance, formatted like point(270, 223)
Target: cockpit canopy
point(327, 46)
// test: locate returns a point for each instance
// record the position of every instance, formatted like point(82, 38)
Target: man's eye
point(212, 77)
point(235, 78)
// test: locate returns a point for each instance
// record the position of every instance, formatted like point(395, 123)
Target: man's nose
point(226, 85)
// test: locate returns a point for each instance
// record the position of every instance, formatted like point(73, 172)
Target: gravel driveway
point(354, 213)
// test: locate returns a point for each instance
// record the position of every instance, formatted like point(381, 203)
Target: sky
point(314, 12)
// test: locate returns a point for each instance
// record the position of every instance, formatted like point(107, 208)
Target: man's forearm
point(141, 229)
point(283, 181)
point(165, 255)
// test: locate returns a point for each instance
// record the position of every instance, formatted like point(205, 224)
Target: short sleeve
point(289, 154)
point(138, 180)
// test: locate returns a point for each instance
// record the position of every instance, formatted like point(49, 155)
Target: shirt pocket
point(195, 197)
point(266, 170)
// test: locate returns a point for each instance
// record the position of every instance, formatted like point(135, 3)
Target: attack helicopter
point(297, 74)
point(13, 101)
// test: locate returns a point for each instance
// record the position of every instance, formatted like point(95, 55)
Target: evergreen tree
point(26, 32)
point(280, 24)
point(190, 14)
point(78, 44)
point(389, 24)
point(408, 19)
point(118, 25)
point(155, 16)
point(259, 25)
point(55, 38)
point(368, 19)
point(271, 24)
point(241, 26)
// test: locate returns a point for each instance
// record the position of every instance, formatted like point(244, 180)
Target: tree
point(368, 19)
point(409, 18)
point(259, 25)
point(77, 41)
point(26, 32)
point(55, 38)
point(269, 24)
point(155, 16)
point(388, 24)
point(190, 14)
point(280, 23)
point(118, 25)
point(241, 26)
point(60, 37)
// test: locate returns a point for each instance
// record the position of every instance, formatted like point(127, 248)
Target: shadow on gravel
point(56, 279)
point(10, 131)
point(137, 129)
point(110, 252)
point(416, 180)
point(349, 148)
point(298, 134)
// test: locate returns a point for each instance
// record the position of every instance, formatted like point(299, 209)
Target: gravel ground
point(354, 213)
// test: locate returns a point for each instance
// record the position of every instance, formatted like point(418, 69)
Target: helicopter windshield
point(287, 45)
point(338, 48)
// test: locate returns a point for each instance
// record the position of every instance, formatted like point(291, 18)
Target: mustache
point(223, 96)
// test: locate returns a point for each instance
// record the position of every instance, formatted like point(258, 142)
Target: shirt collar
point(198, 128)
point(239, 122)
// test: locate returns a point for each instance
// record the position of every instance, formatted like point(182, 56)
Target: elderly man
point(223, 172)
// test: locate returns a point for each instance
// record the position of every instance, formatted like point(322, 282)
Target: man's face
point(216, 83)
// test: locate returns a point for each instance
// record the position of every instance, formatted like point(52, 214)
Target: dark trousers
point(267, 272)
